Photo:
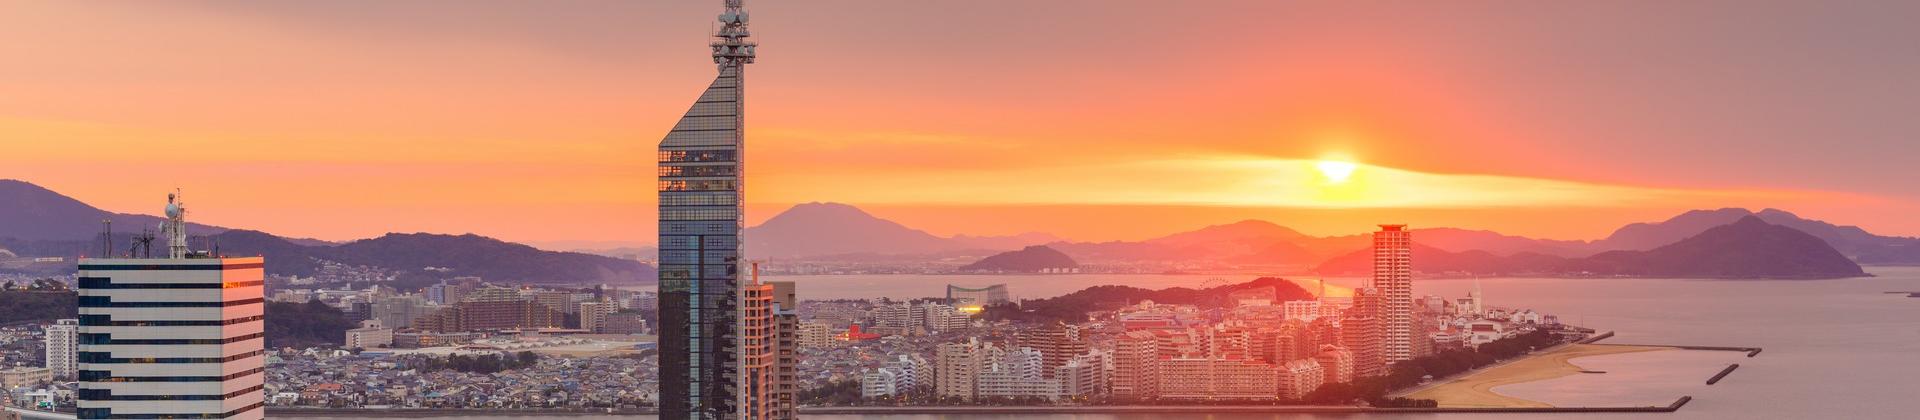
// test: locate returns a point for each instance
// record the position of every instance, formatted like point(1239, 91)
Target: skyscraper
point(700, 185)
point(63, 347)
point(175, 337)
point(1393, 278)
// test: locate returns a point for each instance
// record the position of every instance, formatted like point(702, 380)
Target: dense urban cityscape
point(608, 295)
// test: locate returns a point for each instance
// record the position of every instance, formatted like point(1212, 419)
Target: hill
point(1748, 248)
point(1075, 306)
point(1033, 259)
point(33, 213)
point(38, 222)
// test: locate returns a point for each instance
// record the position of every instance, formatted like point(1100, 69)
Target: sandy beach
point(1476, 389)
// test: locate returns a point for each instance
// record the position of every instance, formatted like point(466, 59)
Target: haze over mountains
point(1668, 248)
point(40, 222)
point(35, 221)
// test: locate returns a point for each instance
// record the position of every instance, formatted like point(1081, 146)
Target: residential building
point(1216, 379)
point(625, 323)
point(1362, 335)
point(1136, 366)
point(593, 315)
point(63, 348)
point(492, 309)
point(371, 334)
point(1056, 343)
point(1337, 363)
point(1300, 377)
point(879, 383)
point(957, 367)
point(1393, 277)
point(1303, 310)
point(815, 334)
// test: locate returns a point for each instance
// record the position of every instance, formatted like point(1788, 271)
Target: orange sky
point(1091, 120)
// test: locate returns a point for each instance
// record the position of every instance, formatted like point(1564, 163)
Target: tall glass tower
point(701, 167)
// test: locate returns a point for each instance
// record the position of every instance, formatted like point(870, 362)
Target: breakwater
point(1723, 373)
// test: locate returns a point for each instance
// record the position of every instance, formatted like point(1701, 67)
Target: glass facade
point(699, 185)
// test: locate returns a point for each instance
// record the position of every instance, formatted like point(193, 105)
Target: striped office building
point(171, 338)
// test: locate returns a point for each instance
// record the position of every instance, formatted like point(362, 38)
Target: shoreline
point(1003, 410)
point(1475, 390)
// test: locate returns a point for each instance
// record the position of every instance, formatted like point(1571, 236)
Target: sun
point(1336, 171)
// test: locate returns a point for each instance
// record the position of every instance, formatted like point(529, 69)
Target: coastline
point(1475, 390)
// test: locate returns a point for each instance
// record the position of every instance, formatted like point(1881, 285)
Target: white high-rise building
point(63, 347)
point(1393, 277)
point(176, 337)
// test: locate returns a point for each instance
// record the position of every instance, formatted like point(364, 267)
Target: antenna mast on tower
point(175, 227)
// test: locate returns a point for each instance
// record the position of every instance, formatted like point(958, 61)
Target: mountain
point(1245, 242)
point(30, 212)
point(1457, 240)
point(1640, 236)
point(828, 229)
point(1032, 259)
point(37, 222)
point(1748, 248)
point(1856, 243)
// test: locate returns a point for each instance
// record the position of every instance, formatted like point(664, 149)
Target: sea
point(1833, 349)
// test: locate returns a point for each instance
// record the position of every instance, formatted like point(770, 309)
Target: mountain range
point(35, 221)
point(1255, 243)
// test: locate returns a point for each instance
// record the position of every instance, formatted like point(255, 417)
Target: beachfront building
point(1300, 377)
point(1393, 277)
point(1136, 366)
point(1196, 378)
point(1337, 363)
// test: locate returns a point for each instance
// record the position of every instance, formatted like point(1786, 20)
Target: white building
point(593, 315)
point(1304, 310)
point(371, 334)
point(63, 348)
point(879, 383)
point(174, 337)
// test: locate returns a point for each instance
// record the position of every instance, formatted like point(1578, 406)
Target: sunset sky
point(1092, 120)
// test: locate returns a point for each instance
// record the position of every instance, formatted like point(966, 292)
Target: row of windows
point(719, 122)
point(105, 376)
point(697, 199)
point(107, 339)
point(107, 395)
point(704, 170)
point(687, 138)
point(699, 213)
point(720, 92)
point(709, 109)
point(105, 357)
point(168, 267)
point(107, 413)
point(687, 272)
point(698, 185)
point(107, 283)
point(105, 302)
point(727, 228)
point(107, 321)
point(669, 156)
point(699, 242)
point(697, 257)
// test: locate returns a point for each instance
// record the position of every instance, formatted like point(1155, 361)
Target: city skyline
point(497, 114)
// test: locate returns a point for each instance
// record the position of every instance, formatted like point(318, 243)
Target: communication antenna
point(143, 243)
point(106, 238)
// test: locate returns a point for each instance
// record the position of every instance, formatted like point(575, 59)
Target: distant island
point(1749, 248)
point(1032, 259)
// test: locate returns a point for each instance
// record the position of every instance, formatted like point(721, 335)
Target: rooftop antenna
point(143, 243)
point(106, 238)
point(176, 226)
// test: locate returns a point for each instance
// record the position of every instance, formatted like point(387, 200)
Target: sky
point(1091, 120)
